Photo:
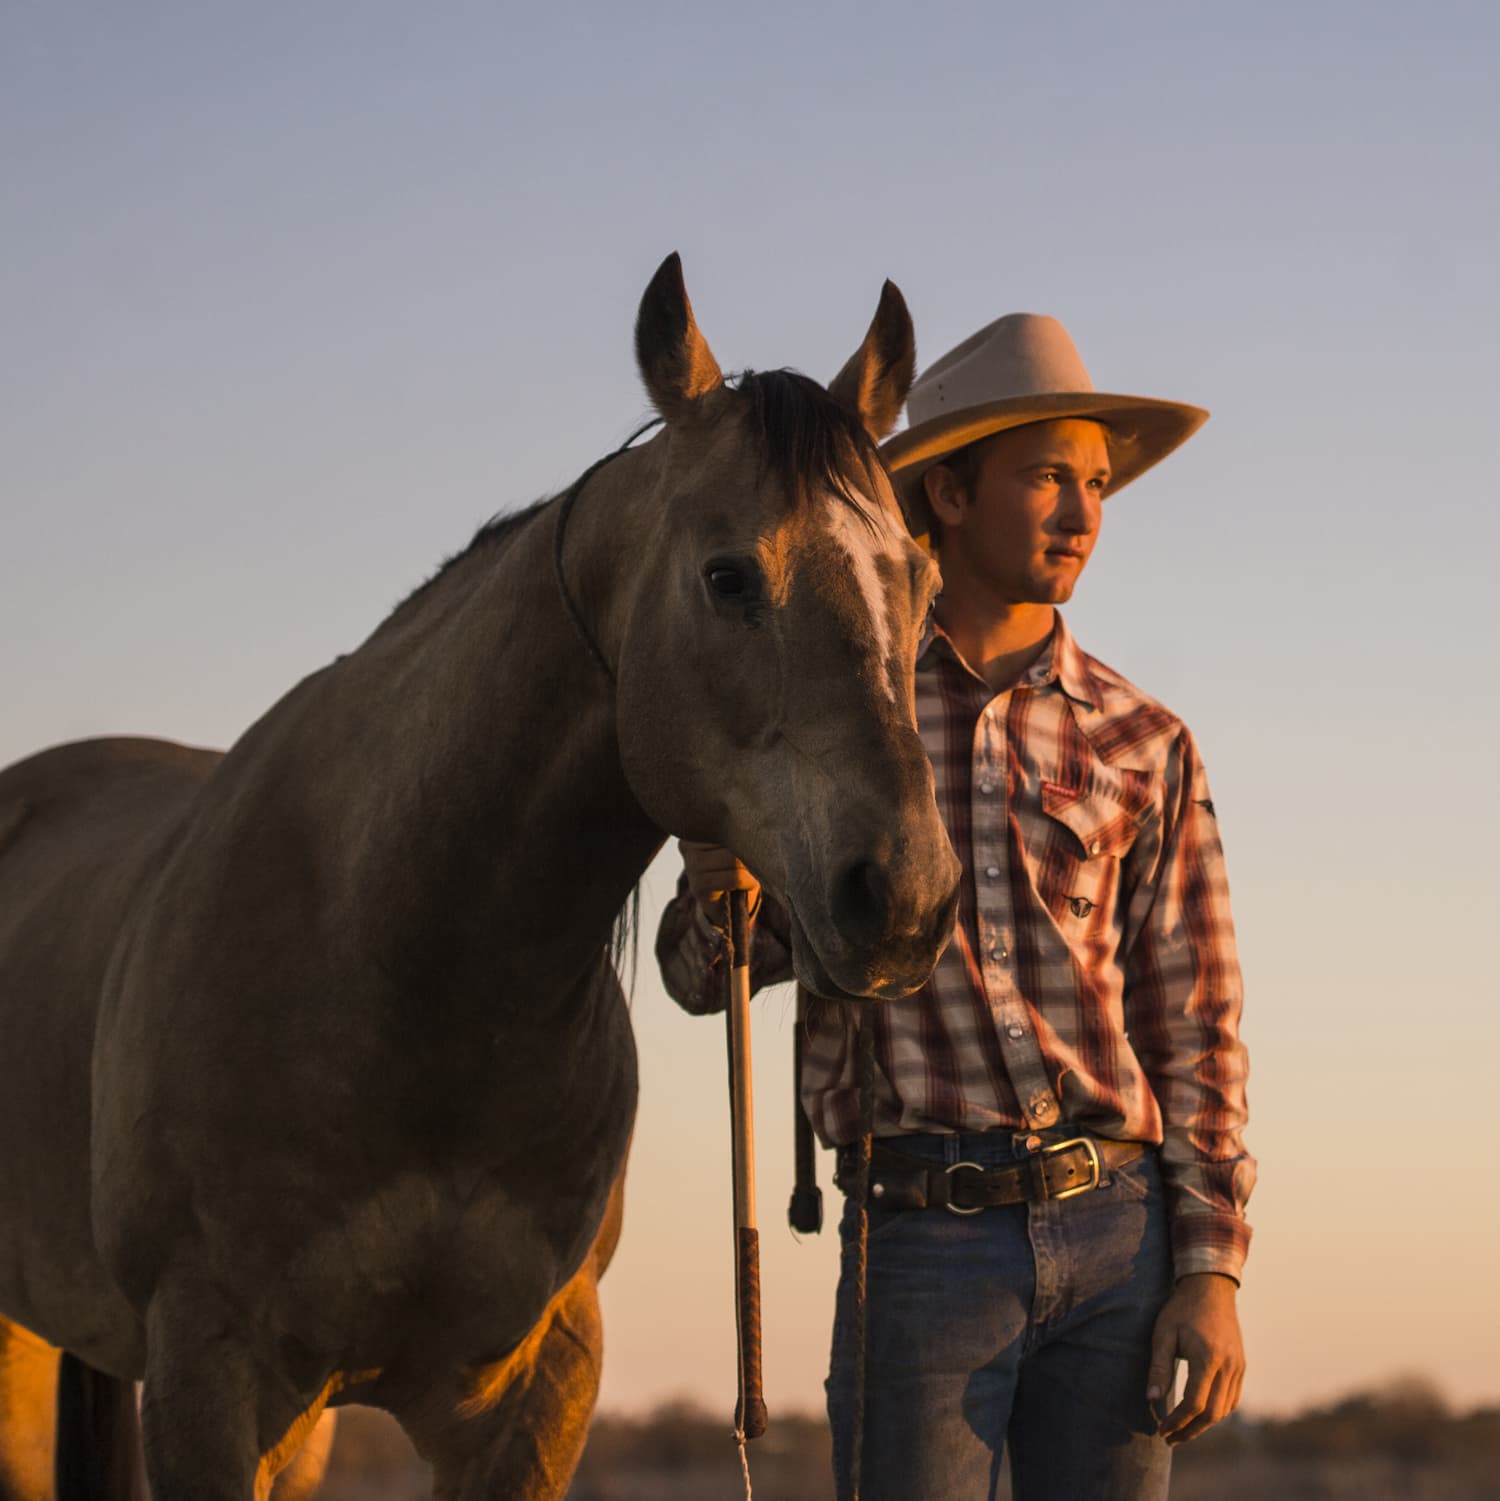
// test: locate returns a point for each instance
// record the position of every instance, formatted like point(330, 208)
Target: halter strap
point(574, 490)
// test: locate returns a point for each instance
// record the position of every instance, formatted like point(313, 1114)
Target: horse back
point(82, 830)
point(79, 825)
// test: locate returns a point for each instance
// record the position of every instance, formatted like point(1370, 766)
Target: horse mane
point(811, 443)
point(499, 528)
point(625, 942)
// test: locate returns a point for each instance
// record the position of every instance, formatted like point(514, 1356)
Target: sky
point(293, 297)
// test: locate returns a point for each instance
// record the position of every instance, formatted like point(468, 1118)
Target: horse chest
point(490, 1215)
point(465, 1253)
point(426, 1268)
point(372, 1192)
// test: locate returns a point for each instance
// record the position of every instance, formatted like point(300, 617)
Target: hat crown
point(1017, 356)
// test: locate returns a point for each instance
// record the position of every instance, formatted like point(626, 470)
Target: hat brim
point(1151, 430)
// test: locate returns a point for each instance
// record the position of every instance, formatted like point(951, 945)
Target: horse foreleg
point(515, 1430)
point(217, 1423)
point(28, 1400)
point(300, 1480)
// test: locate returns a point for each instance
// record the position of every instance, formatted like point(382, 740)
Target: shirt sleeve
point(1183, 996)
point(693, 952)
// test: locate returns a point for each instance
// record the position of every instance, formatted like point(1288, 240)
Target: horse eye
point(727, 581)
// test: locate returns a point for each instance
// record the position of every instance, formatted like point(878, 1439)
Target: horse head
point(765, 663)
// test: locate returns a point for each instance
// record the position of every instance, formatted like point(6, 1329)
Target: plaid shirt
point(1092, 977)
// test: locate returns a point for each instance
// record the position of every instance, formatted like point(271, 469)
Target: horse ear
point(875, 381)
point(675, 361)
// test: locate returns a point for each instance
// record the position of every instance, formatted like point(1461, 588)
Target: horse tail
point(98, 1456)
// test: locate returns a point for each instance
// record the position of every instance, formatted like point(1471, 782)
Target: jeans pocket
point(1136, 1179)
point(883, 1222)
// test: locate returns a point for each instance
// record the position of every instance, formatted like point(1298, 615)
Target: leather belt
point(1058, 1170)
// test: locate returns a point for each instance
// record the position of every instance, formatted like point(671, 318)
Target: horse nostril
point(865, 895)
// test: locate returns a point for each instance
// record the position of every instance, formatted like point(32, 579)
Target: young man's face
point(1025, 528)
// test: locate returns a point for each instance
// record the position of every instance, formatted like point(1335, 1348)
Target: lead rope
point(859, 1254)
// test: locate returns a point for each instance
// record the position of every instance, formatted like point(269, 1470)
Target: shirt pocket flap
point(1101, 822)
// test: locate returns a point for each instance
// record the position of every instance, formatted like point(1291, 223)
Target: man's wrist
point(1206, 1282)
point(706, 925)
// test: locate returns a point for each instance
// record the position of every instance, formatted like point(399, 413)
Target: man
point(1058, 1181)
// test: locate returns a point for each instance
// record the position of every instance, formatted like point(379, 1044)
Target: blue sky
point(293, 297)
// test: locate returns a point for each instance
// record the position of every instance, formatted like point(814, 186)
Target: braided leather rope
point(858, 1252)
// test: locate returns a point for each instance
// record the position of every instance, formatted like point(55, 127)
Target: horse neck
point(503, 809)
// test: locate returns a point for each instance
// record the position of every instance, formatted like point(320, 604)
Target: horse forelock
point(811, 443)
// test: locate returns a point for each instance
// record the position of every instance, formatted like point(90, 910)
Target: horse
point(320, 1077)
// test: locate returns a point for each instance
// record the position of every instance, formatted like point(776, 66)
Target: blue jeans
point(1024, 1328)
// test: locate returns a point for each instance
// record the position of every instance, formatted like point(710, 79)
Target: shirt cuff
point(1210, 1243)
point(690, 951)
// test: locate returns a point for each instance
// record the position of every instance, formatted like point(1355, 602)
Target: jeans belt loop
point(1036, 1166)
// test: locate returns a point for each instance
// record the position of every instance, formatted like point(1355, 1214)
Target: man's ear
point(946, 496)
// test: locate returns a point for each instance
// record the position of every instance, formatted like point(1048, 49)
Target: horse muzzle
point(862, 942)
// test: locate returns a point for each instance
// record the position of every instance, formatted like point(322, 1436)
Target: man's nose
point(1076, 507)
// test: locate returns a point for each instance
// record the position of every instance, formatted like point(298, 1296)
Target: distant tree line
point(1397, 1442)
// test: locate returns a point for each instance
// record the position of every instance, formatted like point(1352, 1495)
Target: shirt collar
point(1067, 662)
point(1062, 662)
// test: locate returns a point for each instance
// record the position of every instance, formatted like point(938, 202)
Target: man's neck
point(999, 643)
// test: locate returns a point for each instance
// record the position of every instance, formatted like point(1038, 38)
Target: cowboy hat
point(1024, 368)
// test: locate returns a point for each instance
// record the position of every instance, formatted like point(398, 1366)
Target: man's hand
point(1198, 1324)
point(711, 872)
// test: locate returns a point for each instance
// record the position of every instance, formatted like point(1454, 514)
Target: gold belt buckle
point(1095, 1166)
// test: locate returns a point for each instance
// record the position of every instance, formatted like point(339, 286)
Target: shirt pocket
point(1090, 828)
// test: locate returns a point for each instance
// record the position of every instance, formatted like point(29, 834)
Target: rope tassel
point(805, 1211)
